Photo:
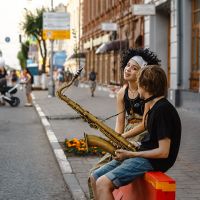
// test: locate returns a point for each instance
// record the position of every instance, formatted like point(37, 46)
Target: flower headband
point(139, 60)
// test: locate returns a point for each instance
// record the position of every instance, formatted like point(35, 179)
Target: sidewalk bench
point(153, 186)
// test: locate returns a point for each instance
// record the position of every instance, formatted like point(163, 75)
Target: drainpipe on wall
point(179, 51)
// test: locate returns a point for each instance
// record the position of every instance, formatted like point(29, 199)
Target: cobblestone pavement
point(65, 123)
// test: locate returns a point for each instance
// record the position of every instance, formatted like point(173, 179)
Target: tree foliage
point(23, 54)
point(32, 26)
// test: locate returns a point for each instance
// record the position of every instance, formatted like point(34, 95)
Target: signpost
point(56, 26)
point(143, 9)
point(7, 39)
point(109, 26)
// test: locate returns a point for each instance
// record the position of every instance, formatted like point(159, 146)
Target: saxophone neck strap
point(149, 99)
point(112, 116)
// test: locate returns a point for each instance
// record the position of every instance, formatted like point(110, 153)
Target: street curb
point(64, 165)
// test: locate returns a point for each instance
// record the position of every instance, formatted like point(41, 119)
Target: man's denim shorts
point(122, 173)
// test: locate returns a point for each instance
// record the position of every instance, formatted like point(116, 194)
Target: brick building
point(103, 46)
point(173, 33)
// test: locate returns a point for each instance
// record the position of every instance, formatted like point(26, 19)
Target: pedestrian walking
point(92, 79)
point(27, 79)
point(3, 79)
point(158, 152)
point(14, 77)
point(60, 77)
point(68, 75)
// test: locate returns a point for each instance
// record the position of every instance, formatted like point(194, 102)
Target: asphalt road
point(28, 169)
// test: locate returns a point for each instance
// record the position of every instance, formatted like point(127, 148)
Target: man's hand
point(121, 154)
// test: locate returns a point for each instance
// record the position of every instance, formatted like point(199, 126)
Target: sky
point(11, 14)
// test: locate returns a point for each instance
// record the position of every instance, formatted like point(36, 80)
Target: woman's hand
point(124, 135)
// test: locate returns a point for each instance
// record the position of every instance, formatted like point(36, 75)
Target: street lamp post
point(51, 82)
point(52, 5)
point(79, 24)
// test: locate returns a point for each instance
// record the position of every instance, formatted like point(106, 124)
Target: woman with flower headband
point(130, 117)
point(128, 99)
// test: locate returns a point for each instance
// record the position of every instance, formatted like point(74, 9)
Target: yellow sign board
point(56, 34)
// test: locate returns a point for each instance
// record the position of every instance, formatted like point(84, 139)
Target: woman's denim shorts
point(123, 172)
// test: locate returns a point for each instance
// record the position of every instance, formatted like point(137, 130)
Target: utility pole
point(51, 82)
point(79, 32)
point(120, 35)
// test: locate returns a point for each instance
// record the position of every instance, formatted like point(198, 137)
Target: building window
point(195, 72)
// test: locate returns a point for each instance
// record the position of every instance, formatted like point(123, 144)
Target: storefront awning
point(112, 46)
point(77, 55)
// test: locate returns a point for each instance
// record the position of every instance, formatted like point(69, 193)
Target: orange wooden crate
point(153, 186)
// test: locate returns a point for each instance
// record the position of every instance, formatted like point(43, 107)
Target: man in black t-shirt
point(163, 124)
point(158, 151)
point(162, 121)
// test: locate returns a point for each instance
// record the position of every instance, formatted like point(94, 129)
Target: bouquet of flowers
point(78, 147)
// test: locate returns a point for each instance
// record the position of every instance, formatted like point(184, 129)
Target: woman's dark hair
point(149, 56)
point(153, 79)
point(28, 71)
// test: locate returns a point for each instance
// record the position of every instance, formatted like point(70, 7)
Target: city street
point(28, 169)
point(43, 43)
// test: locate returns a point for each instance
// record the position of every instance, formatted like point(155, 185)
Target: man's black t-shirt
point(163, 122)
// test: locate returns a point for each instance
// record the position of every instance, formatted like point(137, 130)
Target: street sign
point(7, 39)
point(56, 25)
point(55, 34)
point(109, 26)
point(59, 58)
point(143, 9)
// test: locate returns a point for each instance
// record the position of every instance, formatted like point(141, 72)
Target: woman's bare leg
point(29, 98)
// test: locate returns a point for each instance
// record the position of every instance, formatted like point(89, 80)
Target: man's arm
point(161, 152)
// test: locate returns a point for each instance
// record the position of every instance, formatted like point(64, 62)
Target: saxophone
point(116, 141)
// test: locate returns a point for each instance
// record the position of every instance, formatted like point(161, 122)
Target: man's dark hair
point(153, 79)
point(149, 56)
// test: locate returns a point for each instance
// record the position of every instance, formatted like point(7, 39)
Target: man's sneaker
point(28, 105)
point(2, 103)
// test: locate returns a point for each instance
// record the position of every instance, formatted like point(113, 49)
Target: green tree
point(23, 54)
point(32, 26)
